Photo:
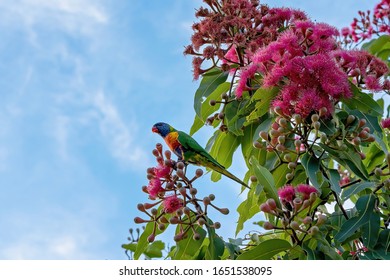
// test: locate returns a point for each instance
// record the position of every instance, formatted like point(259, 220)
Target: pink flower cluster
point(288, 193)
point(158, 176)
point(369, 23)
point(301, 63)
point(364, 68)
point(385, 123)
point(240, 26)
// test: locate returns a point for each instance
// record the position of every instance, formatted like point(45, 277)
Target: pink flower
point(172, 203)
point(154, 188)
point(305, 190)
point(386, 123)
point(162, 171)
point(286, 194)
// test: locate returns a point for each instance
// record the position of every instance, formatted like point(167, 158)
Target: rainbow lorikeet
point(189, 151)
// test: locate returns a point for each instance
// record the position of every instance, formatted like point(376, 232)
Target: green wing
point(195, 153)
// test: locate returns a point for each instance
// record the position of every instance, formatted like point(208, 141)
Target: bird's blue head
point(162, 128)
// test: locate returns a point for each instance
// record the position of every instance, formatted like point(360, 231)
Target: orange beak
point(154, 129)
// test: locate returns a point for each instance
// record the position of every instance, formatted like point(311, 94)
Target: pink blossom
point(386, 123)
point(154, 188)
point(305, 190)
point(162, 171)
point(172, 203)
point(286, 193)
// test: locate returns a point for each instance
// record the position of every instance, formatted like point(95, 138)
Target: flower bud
point(307, 220)
point(180, 165)
point(178, 237)
point(294, 225)
point(292, 165)
point(258, 145)
point(196, 236)
point(193, 191)
point(212, 102)
point(206, 200)
point(314, 230)
point(289, 176)
point(268, 226)
point(263, 134)
point(180, 173)
point(221, 116)
point(155, 152)
point(151, 238)
point(271, 203)
point(174, 220)
point(316, 125)
point(198, 172)
point(167, 154)
point(282, 122)
point(201, 221)
point(154, 211)
point(141, 207)
point(356, 141)
point(315, 118)
point(378, 172)
point(265, 208)
point(255, 237)
point(297, 118)
point(139, 220)
point(323, 111)
point(282, 139)
point(224, 96)
point(217, 225)
point(287, 157)
point(224, 211)
point(161, 227)
point(350, 119)
point(280, 148)
point(362, 122)
point(253, 179)
point(321, 219)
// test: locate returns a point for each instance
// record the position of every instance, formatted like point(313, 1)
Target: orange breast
point(172, 142)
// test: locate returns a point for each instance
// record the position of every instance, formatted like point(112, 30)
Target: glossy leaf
point(365, 206)
point(370, 231)
point(154, 250)
point(187, 248)
point(334, 180)
point(266, 250)
point(265, 178)
point(208, 84)
point(356, 188)
point(225, 144)
point(363, 102)
point(312, 167)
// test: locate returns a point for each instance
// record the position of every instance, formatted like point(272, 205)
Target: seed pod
point(315, 118)
point(212, 102)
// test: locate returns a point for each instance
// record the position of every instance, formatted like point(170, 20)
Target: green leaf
point(265, 178)
point(370, 231)
point(154, 250)
point(377, 45)
point(225, 144)
point(266, 250)
point(365, 206)
point(130, 247)
point(363, 102)
point(197, 124)
point(187, 248)
point(206, 109)
point(249, 207)
point(208, 84)
point(262, 98)
point(216, 246)
point(312, 167)
point(235, 113)
point(334, 180)
point(143, 242)
point(356, 188)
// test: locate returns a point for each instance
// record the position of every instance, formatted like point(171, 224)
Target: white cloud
point(119, 135)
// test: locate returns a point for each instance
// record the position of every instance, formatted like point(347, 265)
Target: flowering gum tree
point(305, 105)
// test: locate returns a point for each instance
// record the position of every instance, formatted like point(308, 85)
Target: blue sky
point(82, 82)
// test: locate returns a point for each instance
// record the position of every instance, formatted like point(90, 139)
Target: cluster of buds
point(289, 138)
point(294, 201)
point(219, 117)
point(368, 24)
point(174, 199)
